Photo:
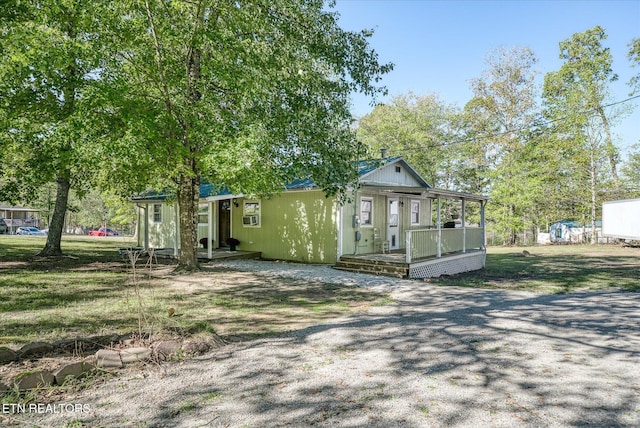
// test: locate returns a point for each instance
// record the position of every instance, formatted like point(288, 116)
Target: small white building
point(574, 232)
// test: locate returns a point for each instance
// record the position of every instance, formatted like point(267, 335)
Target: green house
point(393, 220)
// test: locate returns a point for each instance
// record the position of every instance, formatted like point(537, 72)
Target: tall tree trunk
point(610, 147)
point(188, 195)
point(52, 247)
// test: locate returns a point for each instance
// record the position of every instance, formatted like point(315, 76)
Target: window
point(157, 213)
point(251, 214)
point(398, 169)
point(203, 214)
point(415, 213)
point(366, 212)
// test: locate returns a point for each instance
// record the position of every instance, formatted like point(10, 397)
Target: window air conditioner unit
point(250, 220)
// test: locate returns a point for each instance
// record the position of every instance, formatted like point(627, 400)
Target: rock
point(134, 355)
point(195, 348)
point(71, 345)
point(7, 355)
point(108, 359)
point(166, 349)
point(35, 348)
point(31, 380)
point(75, 370)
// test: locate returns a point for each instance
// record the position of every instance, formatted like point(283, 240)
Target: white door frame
point(393, 222)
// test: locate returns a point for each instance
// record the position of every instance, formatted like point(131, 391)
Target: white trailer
point(621, 219)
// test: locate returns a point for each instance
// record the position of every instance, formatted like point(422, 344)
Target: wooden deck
point(394, 264)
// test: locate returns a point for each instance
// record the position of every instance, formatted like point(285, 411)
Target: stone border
point(103, 359)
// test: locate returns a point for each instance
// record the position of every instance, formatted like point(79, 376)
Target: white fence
point(423, 243)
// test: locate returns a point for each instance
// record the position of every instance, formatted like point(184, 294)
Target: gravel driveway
point(438, 356)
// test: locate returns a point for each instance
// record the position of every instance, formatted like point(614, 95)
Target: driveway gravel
point(437, 356)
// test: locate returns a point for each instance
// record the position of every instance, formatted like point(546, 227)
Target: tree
point(631, 172)
point(575, 97)
point(581, 84)
point(419, 128)
point(251, 94)
point(634, 57)
point(48, 61)
point(500, 117)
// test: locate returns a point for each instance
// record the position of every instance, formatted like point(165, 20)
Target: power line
point(482, 136)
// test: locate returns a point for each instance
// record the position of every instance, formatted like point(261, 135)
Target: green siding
point(161, 235)
point(298, 226)
point(366, 244)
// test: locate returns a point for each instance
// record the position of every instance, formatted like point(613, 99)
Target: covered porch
point(451, 244)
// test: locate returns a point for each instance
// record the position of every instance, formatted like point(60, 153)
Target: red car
point(103, 231)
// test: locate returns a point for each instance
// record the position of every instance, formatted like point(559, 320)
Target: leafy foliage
point(575, 98)
point(504, 107)
point(48, 61)
point(248, 93)
point(419, 128)
point(634, 57)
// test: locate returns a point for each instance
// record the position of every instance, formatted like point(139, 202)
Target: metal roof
point(365, 167)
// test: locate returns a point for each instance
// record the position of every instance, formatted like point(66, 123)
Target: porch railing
point(436, 242)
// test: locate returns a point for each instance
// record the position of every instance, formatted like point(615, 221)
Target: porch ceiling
point(421, 191)
point(390, 188)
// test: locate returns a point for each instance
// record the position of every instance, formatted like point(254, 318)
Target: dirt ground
point(233, 326)
point(435, 357)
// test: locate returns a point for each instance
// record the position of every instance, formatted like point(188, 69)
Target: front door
point(393, 223)
point(224, 222)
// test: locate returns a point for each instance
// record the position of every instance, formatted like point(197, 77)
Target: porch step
point(369, 272)
point(373, 267)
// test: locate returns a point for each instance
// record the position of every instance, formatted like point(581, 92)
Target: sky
point(440, 46)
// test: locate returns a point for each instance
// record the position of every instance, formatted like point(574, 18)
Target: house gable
point(396, 172)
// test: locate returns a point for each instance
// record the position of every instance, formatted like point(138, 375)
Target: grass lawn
point(90, 292)
point(555, 269)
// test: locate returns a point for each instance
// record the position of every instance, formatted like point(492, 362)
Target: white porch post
point(439, 229)
point(146, 226)
point(340, 230)
point(408, 246)
point(482, 205)
point(176, 241)
point(210, 232)
point(464, 227)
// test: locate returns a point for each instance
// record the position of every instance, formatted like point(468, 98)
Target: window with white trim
point(415, 213)
point(157, 213)
point(203, 214)
point(366, 211)
point(251, 216)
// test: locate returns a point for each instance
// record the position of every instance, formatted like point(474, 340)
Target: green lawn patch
point(555, 269)
point(90, 292)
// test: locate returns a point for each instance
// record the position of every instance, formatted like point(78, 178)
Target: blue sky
point(439, 46)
